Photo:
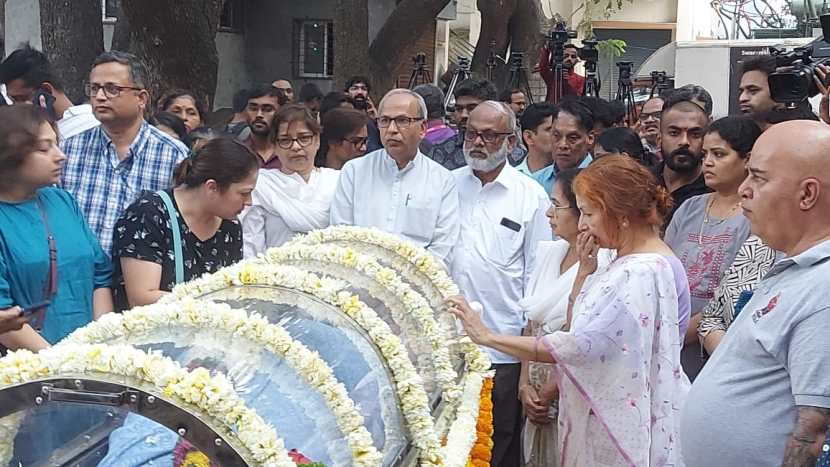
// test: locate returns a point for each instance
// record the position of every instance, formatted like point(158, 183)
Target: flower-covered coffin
point(317, 353)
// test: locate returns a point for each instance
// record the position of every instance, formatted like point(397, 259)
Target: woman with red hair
point(621, 383)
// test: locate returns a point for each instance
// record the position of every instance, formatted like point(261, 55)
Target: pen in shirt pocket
point(408, 197)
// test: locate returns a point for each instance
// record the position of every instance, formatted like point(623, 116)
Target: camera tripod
point(590, 54)
point(461, 73)
point(518, 75)
point(492, 61)
point(659, 84)
point(625, 91)
point(557, 38)
point(419, 74)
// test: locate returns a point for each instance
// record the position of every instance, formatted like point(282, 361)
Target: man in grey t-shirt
point(764, 397)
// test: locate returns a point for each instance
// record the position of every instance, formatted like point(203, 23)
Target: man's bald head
point(789, 185)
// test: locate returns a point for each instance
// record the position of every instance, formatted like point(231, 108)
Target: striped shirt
point(105, 185)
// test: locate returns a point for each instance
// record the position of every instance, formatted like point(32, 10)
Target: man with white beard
point(502, 221)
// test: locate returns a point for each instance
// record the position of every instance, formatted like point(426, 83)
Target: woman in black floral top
point(212, 187)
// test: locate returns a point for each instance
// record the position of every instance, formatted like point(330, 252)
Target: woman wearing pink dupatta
point(620, 381)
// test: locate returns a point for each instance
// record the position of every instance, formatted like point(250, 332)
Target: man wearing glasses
point(502, 222)
point(398, 189)
point(649, 126)
point(107, 167)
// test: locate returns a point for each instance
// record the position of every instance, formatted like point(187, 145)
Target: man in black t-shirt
point(685, 117)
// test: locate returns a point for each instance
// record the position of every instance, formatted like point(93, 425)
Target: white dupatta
point(621, 382)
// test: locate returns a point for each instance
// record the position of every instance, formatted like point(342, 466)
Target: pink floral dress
point(620, 379)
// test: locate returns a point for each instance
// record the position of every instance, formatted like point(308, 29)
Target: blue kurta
point(24, 261)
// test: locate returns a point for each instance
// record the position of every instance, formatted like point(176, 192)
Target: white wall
point(691, 58)
point(22, 24)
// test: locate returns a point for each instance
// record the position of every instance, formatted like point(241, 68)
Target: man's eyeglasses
point(654, 115)
point(357, 142)
point(110, 90)
point(400, 122)
point(358, 88)
point(303, 141)
point(488, 136)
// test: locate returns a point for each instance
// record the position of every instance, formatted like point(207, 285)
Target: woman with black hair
point(172, 125)
point(707, 230)
point(623, 141)
point(172, 236)
point(186, 106)
point(343, 137)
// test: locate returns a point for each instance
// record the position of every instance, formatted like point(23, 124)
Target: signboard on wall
point(737, 55)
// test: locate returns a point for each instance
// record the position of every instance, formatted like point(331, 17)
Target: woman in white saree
point(296, 197)
point(621, 385)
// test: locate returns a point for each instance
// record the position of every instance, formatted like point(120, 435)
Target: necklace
point(707, 220)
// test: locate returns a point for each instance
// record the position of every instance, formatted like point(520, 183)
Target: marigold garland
point(483, 448)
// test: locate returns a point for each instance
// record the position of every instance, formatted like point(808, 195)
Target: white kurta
point(419, 202)
point(284, 206)
point(501, 225)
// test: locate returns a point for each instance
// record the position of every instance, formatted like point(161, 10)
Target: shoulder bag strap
point(50, 288)
point(177, 235)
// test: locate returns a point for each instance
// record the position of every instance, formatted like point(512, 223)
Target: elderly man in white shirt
point(502, 221)
point(398, 189)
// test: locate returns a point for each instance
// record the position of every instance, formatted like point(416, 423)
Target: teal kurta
point(24, 261)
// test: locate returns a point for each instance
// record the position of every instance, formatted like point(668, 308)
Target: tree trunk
point(525, 33)
point(72, 35)
point(494, 17)
point(410, 19)
point(351, 40)
point(121, 34)
point(176, 42)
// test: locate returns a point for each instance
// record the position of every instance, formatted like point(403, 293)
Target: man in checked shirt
point(107, 167)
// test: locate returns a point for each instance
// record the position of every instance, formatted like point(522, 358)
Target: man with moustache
point(502, 221)
point(763, 399)
point(753, 93)
point(263, 104)
point(358, 89)
point(682, 126)
point(468, 95)
point(107, 167)
point(573, 141)
point(649, 126)
point(397, 189)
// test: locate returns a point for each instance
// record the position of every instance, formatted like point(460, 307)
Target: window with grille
point(109, 9)
point(314, 48)
point(232, 19)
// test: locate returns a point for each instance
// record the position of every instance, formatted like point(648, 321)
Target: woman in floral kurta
point(621, 383)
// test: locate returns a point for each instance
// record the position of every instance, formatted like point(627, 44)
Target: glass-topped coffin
point(57, 433)
point(109, 432)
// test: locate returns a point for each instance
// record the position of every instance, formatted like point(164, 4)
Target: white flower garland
point(416, 306)
point(8, 430)
point(214, 396)
point(462, 434)
point(410, 389)
point(424, 261)
point(313, 370)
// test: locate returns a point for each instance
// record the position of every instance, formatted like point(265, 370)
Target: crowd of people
point(648, 294)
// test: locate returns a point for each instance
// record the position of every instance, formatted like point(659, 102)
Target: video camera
point(795, 83)
point(589, 51)
point(560, 34)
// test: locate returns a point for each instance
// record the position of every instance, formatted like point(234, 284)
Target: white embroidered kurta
point(621, 383)
point(284, 206)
